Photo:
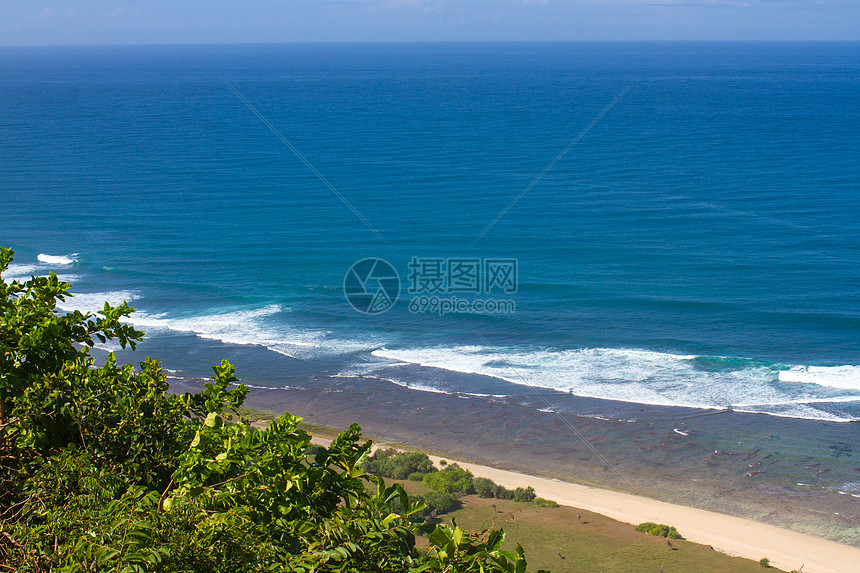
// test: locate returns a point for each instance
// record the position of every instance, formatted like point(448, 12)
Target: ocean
point(697, 246)
point(658, 241)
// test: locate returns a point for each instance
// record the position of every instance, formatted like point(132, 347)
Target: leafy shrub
point(487, 488)
point(397, 465)
point(439, 502)
point(484, 487)
point(524, 494)
point(541, 502)
point(659, 530)
point(764, 563)
point(452, 480)
point(504, 493)
point(416, 476)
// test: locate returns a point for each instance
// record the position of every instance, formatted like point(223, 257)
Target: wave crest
point(57, 259)
point(642, 376)
point(842, 377)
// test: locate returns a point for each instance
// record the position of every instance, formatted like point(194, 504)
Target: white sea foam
point(47, 264)
point(791, 410)
point(849, 488)
point(480, 395)
point(95, 301)
point(57, 259)
point(365, 371)
point(630, 375)
point(259, 387)
point(21, 273)
point(417, 386)
point(843, 377)
point(251, 327)
point(68, 278)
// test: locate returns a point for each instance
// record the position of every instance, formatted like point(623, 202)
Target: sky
point(56, 22)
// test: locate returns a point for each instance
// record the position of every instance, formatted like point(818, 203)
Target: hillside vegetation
point(101, 469)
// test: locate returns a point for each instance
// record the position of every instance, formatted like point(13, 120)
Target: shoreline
point(787, 550)
point(673, 478)
point(740, 537)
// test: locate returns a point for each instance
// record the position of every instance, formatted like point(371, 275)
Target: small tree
point(524, 494)
point(453, 480)
point(398, 465)
point(439, 502)
point(484, 487)
point(659, 529)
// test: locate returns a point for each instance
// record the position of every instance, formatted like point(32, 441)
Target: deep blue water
point(697, 246)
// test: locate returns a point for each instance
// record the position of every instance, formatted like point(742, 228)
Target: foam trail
point(57, 259)
point(21, 273)
point(252, 327)
point(402, 384)
point(47, 263)
point(843, 377)
point(642, 376)
point(95, 301)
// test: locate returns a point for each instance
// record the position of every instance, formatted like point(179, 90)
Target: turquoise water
point(697, 246)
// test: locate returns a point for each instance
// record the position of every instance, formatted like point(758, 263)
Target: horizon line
point(419, 42)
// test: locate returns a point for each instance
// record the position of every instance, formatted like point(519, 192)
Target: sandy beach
point(787, 550)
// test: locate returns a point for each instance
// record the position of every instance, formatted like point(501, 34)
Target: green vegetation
point(764, 563)
point(484, 487)
point(438, 502)
point(555, 539)
point(102, 469)
point(487, 488)
point(452, 480)
point(398, 465)
point(659, 530)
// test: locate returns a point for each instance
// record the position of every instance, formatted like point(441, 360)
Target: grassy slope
point(600, 544)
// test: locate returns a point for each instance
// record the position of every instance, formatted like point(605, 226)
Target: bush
point(658, 529)
point(452, 480)
point(416, 476)
point(438, 502)
point(504, 493)
point(397, 465)
point(764, 563)
point(524, 494)
point(484, 487)
point(541, 502)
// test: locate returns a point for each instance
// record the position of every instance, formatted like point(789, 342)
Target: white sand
point(732, 535)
